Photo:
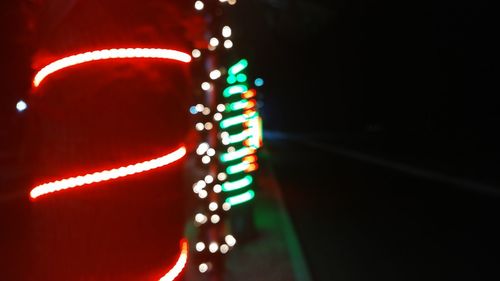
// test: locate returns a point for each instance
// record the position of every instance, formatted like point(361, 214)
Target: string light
point(226, 31)
point(196, 53)
point(21, 106)
point(198, 5)
point(122, 53)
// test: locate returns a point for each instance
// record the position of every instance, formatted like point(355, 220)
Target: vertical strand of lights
point(227, 121)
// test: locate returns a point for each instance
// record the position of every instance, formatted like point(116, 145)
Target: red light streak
point(122, 53)
point(249, 94)
point(106, 175)
point(179, 265)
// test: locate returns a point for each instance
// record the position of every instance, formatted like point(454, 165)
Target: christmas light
point(122, 53)
point(237, 168)
point(226, 31)
point(179, 265)
point(239, 119)
point(228, 44)
point(198, 5)
point(238, 67)
point(238, 184)
point(106, 175)
point(242, 198)
point(21, 106)
point(240, 153)
point(234, 89)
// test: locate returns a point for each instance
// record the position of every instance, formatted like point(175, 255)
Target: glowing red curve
point(121, 53)
point(179, 265)
point(106, 175)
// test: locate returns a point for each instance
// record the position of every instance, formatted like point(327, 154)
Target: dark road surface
point(357, 221)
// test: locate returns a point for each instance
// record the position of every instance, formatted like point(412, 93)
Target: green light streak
point(242, 198)
point(240, 153)
point(235, 185)
point(239, 119)
point(238, 137)
point(238, 67)
point(231, 79)
point(234, 89)
point(237, 105)
point(234, 169)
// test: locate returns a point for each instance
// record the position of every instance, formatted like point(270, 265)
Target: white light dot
point(205, 159)
point(214, 42)
point(208, 126)
point(231, 149)
point(200, 246)
point(222, 176)
point(217, 189)
point(213, 247)
point(205, 111)
point(231, 2)
point(228, 44)
point(211, 152)
point(198, 5)
point(224, 135)
point(211, 48)
point(199, 107)
point(230, 240)
point(200, 218)
point(226, 31)
point(213, 206)
point(21, 106)
point(217, 116)
point(199, 126)
point(203, 267)
point(224, 248)
point(205, 86)
point(196, 53)
point(215, 74)
point(203, 194)
point(209, 179)
point(215, 218)
point(226, 206)
point(221, 107)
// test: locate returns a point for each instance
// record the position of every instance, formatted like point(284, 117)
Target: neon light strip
point(238, 184)
point(237, 137)
point(237, 168)
point(233, 90)
point(237, 105)
point(179, 265)
point(122, 53)
point(106, 175)
point(240, 153)
point(238, 67)
point(239, 119)
point(241, 198)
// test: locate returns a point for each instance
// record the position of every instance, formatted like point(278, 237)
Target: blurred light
point(208, 126)
point(200, 107)
point(193, 110)
point(199, 126)
point(234, 89)
point(231, 79)
point(217, 116)
point(200, 218)
point(202, 148)
point(259, 82)
point(215, 219)
point(209, 179)
point(242, 198)
point(249, 94)
point(231, 2)
point(196, 53)
point(179, 265)
point(211, 152)
point(240, 153)
point(213, 206)
point(221, 107)
point(238, 67)
point(205, 159)
point(121, 53)
point(198, 5)
point(108, 174)
point(238, 168)
point(228, 44)
point(217, 188)
point(205, 111)
point(205, 86)
point(241, 77)
point(203, 267)
point(226, 31)
point(239, 119)
point(224, 248)
point(238, 184)
point(21, 106)
point(213, 247)
point(215, 74)
point(214, 42)
point(237, 105)
point(200, 246)
point(226, 206)
point(222, 176)
point(230, 240)
point(203, 194)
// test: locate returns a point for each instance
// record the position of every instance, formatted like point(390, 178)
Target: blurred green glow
point(234, 169)
point(242, 198)
point(235, 185)
point(234, 89)
point(231, 121)
point(238, 137)
point(230, 156)
point(231, 79)
point(241, 77)
point(238, 67)
point(237, 105)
